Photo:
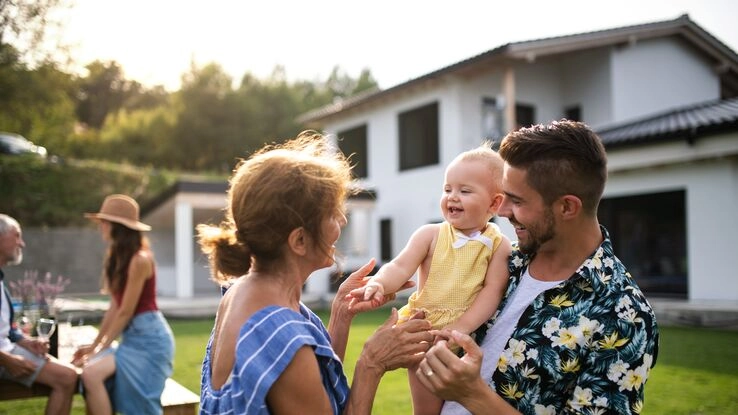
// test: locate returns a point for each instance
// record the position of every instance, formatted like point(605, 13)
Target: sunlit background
point(156, 41)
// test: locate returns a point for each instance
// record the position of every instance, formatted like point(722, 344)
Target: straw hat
point(120, 209)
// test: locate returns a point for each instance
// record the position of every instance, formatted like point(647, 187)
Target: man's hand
point(19, 367)
point(445, 374)
point(35, 345)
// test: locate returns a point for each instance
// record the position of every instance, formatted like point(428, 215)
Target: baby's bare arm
point(393, 275)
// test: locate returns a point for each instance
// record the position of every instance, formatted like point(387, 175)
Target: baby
point(461, 262)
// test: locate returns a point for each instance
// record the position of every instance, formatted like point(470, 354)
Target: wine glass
point(45, 328)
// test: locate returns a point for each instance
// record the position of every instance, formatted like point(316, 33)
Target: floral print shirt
point(585, 346)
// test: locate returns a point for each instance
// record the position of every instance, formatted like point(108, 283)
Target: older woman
point(268, 352)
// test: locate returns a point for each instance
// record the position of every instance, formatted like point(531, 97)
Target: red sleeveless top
point(147, 300)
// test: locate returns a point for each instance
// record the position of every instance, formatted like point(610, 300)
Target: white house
point(662, 97)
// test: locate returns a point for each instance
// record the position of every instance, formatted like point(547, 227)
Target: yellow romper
point(455, 277)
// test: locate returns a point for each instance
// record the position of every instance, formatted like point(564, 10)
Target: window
point(353, 144)
point(649, 236)
point(385, 240)
point(573, 113)
point(492, 120)
point(525, 115)
point(418, 137)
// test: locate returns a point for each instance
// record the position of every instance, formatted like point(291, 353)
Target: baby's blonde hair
point(490, 158)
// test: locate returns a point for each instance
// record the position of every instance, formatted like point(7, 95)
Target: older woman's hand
point(393, 345)
point(341, 315)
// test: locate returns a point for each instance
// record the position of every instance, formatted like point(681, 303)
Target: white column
point(508, 89)
point(183, 242)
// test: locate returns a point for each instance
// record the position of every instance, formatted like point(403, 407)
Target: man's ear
point(569, 206)
point(297, 241)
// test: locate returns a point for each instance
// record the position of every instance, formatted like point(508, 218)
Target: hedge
point(56, 193)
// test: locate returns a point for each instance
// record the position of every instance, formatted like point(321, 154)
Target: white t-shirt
point(5, 343)
point(499, 334)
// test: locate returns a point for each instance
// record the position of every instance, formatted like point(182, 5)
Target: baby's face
point(467, 202)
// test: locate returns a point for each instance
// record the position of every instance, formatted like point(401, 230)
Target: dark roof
point(688, 123)
point(184, 186)
point(219, 188)
point(724, 57)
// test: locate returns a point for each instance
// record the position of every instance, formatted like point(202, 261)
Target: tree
point(35, 103)
point(205, 126)
point(341, 85)
point(102, 91)
point(25, 23)
point(206, 120)
point(141, 136)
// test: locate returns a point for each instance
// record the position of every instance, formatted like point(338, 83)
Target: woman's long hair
point(125, 243)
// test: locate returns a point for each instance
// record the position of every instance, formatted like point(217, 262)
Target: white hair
point(7, 224)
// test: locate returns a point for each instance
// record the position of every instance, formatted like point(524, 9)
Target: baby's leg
point(424, 401)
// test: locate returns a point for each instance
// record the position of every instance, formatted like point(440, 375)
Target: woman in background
point(142, 360)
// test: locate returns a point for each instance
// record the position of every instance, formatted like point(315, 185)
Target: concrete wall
point(75, 253)
point(585, 82)
point(658, 75)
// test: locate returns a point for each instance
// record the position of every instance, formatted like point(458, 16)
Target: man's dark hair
point(561, 158)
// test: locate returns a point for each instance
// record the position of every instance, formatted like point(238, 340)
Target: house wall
point(710, 182)
point(585, 82)
point(611, 85)
point(657, 75)
point(74, 253)
point(163, 245)
point(539, 84)
point(410, 197)
point(472, 93)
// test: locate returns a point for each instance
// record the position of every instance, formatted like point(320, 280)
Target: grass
point(696, 371)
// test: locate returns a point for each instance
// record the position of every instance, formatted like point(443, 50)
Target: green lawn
point(696, 371)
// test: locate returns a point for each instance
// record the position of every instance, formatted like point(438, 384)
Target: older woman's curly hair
point(279, 188)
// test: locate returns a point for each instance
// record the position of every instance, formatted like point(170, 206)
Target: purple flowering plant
point(43, 292)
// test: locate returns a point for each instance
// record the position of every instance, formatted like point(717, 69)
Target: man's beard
point(16, 259)
point(538, 234)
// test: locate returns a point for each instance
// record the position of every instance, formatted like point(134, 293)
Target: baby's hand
point(372, 291)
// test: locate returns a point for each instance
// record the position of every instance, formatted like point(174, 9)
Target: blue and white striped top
point(267, 343)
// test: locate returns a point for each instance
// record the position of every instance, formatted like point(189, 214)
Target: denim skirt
point(143, 362)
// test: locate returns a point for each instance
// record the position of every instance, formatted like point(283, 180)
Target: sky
point(156, 41)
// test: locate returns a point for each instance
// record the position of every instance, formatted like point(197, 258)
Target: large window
point(385, 240)
point(573, 113)
point(419, 137)
point(492, 120)
point(649, 235)
point(525, 115)
point(353, 144)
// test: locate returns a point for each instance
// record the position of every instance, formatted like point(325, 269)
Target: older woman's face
point(331, 232)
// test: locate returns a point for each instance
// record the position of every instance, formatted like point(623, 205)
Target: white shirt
point(5, 343)
point(498, 335)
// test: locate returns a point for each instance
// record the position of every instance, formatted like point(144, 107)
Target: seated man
point(24, 359)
